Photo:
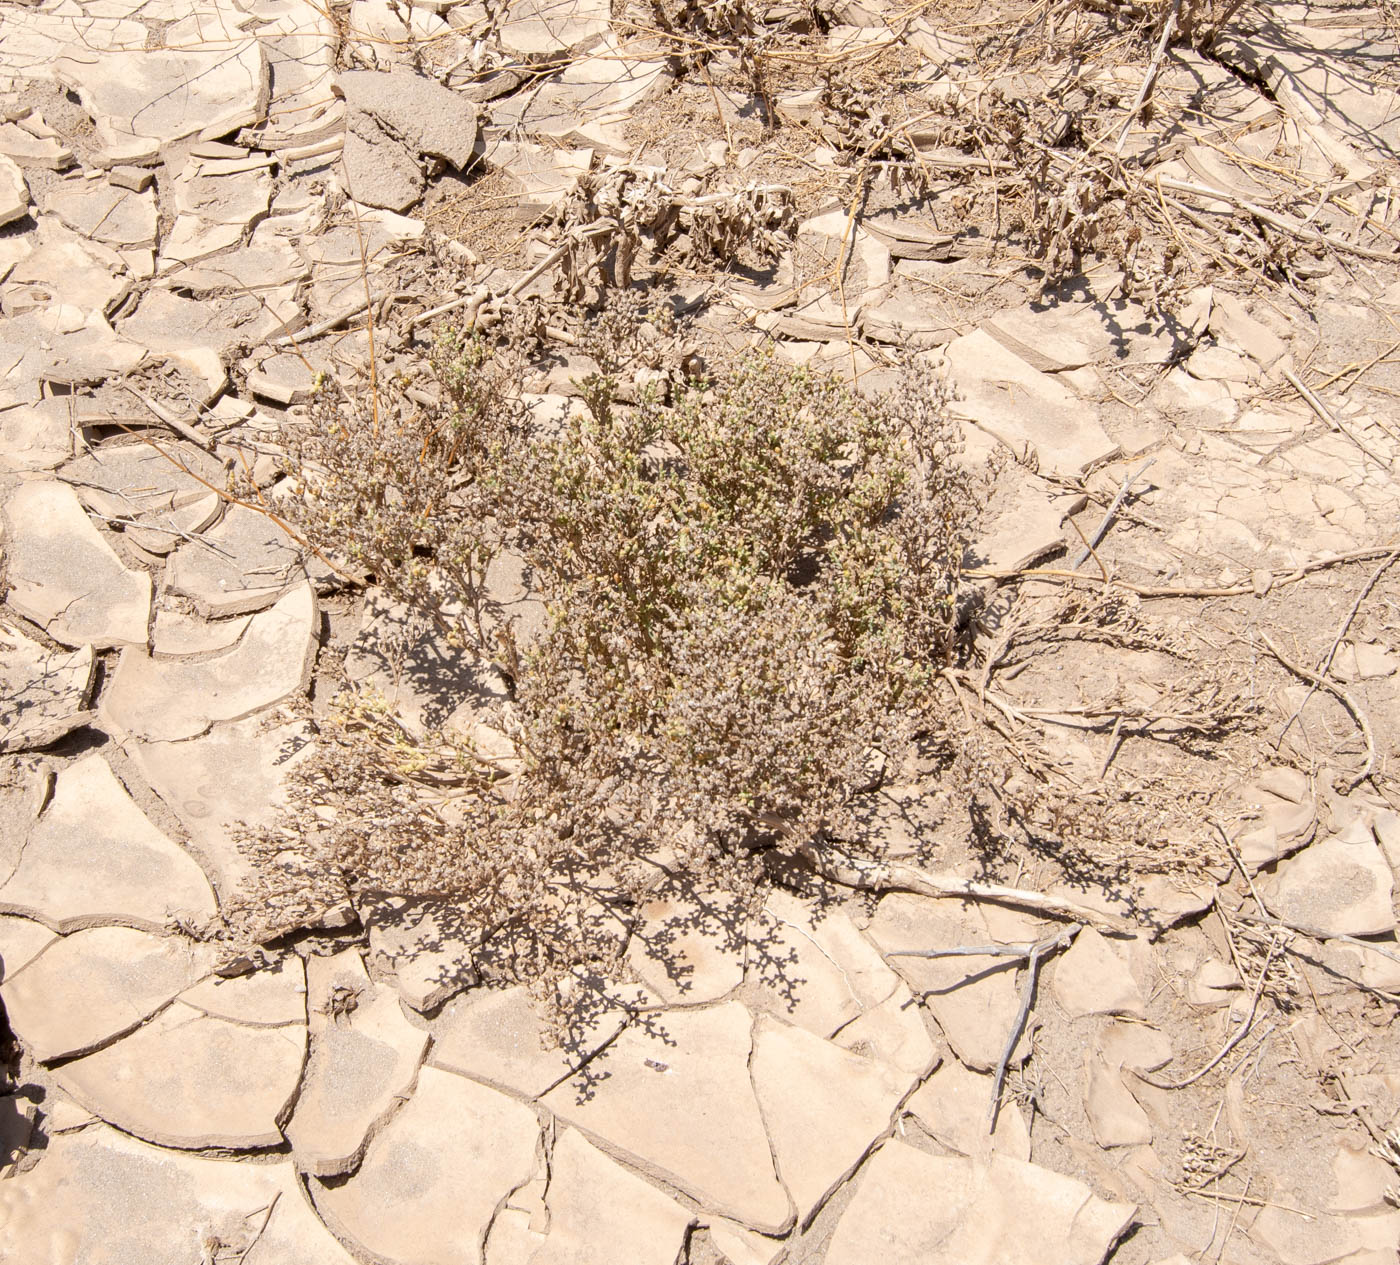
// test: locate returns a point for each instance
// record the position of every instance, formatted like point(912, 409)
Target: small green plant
point(750, 583)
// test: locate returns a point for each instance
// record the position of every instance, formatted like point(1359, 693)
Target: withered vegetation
point(750, 580)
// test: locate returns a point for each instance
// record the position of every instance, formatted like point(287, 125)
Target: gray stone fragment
point(65, 577)
point(162, 700)
point(420, 111)
point(378, 170)
point(43, 694)
point(91, 987)
point(432, 1179)
point(95, 858)
point(364, 1060)
point(192, 1080)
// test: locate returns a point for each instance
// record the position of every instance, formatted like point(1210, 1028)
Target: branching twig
point(1035, 954)
point(1239, 1034)
point(1342, 696)
point(1101, 530)
point(1325, 665)
point(896, 876)
point(1325, 414)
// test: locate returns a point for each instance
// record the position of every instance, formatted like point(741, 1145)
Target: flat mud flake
point(597, 1212)
point(433, 1177)
point(1342, 886)
point(378, 170)
point(694, 1118)
point(910, 1206)
point(497, 1036)
point(162, 700)
point(1032, 413)
point(14, 192)
point(66, 578)
point(825, 1108)
point(1092, 979)
point(90, 987)
point(542, 28)
point(193, 1081)
point(105, 213)
point(208, 82)
point(243, 564)
point(43, 694)
point(364, 1060)
point(973, 999)
point(111, 1200)
point(1114, 1114)
point(94, 857)
point(432, 119)
point(952, 1106)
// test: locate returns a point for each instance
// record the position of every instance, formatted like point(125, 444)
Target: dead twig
point(167, 418)
point(1317, 933)
point(1325, 414)
point(1034, 954)
point(1102, 529)
point(1150, 79)
point(896, 876)
point(1239, 1035)
point(1342, 696)
point(1326, 663)
point(243, 1256)
point(1276, 578)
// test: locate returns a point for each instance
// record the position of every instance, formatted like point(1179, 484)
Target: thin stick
point(1278, 578)
point(1102, 529)
point(896, 876)
point(965, 951)
point(1240, 1032)
point(1150, 79)
point(1034, 955)
point(1322, 411)
point(165, 416)
point(1342, 696)
point(243, 1255)
point(1317, 933)
point(1089, 551)
point(1283, 223)
point(1326, 664)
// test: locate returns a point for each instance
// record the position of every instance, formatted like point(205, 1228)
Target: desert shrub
point(750, 584)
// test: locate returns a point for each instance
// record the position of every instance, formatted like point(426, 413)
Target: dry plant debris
point(688, 632)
